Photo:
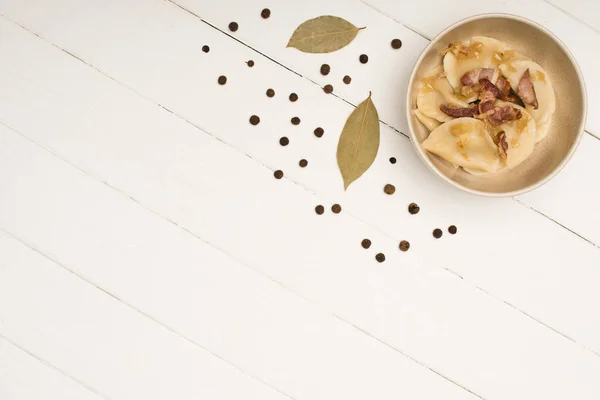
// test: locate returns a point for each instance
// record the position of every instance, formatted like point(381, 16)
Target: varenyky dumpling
point(544, 92)
point(465, 142)
point(428, 122)
point(435, 91)
point(519, 136)
point(479, 52)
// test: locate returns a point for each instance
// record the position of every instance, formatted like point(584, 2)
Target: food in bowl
point(485, 106)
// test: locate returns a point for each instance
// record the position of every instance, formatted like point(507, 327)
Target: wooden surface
point(147, 251)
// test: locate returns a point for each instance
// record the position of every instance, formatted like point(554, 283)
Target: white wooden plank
point(579, 38)
point(586, 11)
point(193, 73)
point(23, 377)
point(164, 271)
point(429, 314)
point(99, 341)
point(571, 198)
point(107, 145)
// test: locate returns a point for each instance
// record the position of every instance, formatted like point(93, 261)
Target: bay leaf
point(359, 142)
point(323, 34)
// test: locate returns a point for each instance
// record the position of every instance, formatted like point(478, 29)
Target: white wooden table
point(147, 251)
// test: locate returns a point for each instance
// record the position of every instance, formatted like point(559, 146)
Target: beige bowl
point(550, 154)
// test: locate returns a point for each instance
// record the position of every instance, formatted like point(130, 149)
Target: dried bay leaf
point(359, 142)
point(323, 34)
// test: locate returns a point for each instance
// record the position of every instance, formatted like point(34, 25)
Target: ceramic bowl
point(567, 126)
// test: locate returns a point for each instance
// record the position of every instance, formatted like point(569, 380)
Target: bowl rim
point(422, 152)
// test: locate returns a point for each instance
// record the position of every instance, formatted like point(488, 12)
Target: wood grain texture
point(161, 161)
point(141, 183)
point(208, 298)
point(434, 309)
point(24, 377)
point(585, 11)
point(99, 341)
point(545, 252)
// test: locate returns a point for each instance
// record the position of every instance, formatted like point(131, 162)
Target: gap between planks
point(572, 16)
point(41, 360)
point(386, 15)
point(300, 185)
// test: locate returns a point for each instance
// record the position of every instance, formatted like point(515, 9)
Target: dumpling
point(520, 137)
point(428, 122)
point(513, 71)
point(435, 91)
point(465, 142)
point(480, 52)
point(542, 129)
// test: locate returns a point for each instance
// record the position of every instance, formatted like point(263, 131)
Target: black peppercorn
point(396, 44)
point(413, 208)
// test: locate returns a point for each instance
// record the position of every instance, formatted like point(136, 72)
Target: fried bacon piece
point(485, 106)
point(506, 92)
point(504, 87)
point(458, 112)
point(488, 93)
point(474, 76)
point(502, 145)
point(527, 91)
point(498, 115)
point(487, 90)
